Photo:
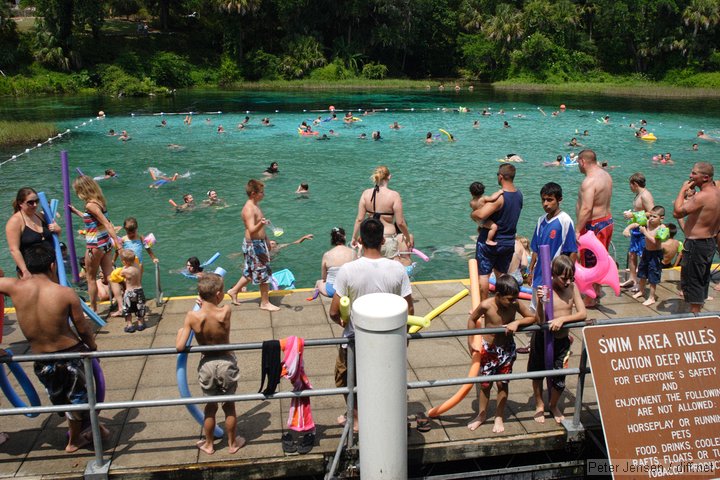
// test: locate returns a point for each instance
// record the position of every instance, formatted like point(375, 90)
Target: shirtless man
point(593, 208)
point(643, 202)
point(505, 212)
point(255, 248)
point(701, 211)
point(701, 134)
point(42, 307)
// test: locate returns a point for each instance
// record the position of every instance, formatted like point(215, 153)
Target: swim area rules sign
point(658, 391)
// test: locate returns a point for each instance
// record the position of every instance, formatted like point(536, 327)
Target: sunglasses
point(32, 203)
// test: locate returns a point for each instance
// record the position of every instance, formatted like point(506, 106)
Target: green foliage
point(689, 78)
point(8, 37)
point(131, 63)
point(262, 65)
point(229, 72)
point(333, 71)
point(170, 70)
point(43, 82)
point(479, 55)
point(303, 55)
point(24, 133)
point(115, 81)
point(204, 77)
point(374, 71)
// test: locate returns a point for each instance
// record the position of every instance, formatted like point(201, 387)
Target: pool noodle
point(172, 202)
point(345, 308)
point(2, 315)
point(211, 259)
point(24, 383)
point(523, 289)
point(441, 308)
point(53, 207)
point(181, 376)
point(62, 277)
point(548, 304)
point(420, 254)
point(69, 237)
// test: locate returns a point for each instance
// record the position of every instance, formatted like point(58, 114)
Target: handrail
point(93, 407)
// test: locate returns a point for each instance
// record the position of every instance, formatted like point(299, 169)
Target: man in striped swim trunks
point(593, 209)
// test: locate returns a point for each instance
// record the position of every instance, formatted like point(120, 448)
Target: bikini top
point(30, 237)
point(375, 214)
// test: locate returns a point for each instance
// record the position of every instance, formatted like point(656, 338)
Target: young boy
point(672, 249)
point(555, 229)
point(566, 298)
point(477, 190)
point(218, 372)
point(255, 247)
point(134, 296)
point(650, 268)
point(135, 242)
point(497, 351)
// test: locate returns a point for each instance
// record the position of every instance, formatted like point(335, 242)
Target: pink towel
point(300, 414)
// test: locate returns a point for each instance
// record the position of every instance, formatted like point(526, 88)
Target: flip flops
point(306, 444)
point(423, 422)
point(130, 329)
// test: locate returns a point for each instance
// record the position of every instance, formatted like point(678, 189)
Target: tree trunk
point(164, 14)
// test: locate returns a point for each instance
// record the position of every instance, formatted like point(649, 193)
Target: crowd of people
point(371, 263)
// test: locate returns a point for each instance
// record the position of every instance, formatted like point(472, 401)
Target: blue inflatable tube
point(207, 262)
point(25, 384)
point(99, 381)
point(181, 374)
point(62, 277)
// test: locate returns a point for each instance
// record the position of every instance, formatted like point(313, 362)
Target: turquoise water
point(432, 179)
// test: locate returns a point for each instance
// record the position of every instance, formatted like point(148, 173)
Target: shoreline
point(649, 90)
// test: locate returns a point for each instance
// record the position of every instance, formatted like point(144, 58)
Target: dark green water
point(433, 179)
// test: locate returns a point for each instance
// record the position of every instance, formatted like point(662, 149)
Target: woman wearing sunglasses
point(27, 227)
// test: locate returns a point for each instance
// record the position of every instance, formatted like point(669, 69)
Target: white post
point(381, 357)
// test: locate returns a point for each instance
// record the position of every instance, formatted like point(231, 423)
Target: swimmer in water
point(111, 133)
point(174, 147)
point(272, 170)
point(705, 136)
point(429, 137)
point(303, 188)
point(214, 200)
point(124, 136)
point(395, 126)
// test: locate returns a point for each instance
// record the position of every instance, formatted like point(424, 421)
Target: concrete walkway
point(161, 441)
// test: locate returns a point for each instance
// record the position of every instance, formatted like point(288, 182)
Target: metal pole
point(96, 468)
point(380, 340)
point(350, 414)
point(580, 387)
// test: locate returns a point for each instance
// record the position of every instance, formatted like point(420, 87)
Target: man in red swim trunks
point(593, 208)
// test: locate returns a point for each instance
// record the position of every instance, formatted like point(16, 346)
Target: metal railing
point(99, 466)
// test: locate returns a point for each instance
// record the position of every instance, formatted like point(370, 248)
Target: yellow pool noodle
point(345, 309)
point(441, 308)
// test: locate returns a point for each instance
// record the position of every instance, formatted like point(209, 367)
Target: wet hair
point(273, 168)
point(371, 233)
point(506, 285)
point(551, 189)
point(186, 197)
point(254, 186)
point(22, 194)
point(194, 265)
point(638, 179)
point(477, 189)
point(110, 172)
point(209, 285)
point(381, 173)
point(88, 190)
point(127, 255)
point(507, 171)
point(429, 135)
point(39, 258)
point(660, 210)
point(587, 155)
point(672, 228)
point(559, 158)
point(337, 236)
point(562, 265)
point(130, 224)
point(305, 186)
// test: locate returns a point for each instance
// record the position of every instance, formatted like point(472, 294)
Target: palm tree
point(705, 13)
point(505, 27)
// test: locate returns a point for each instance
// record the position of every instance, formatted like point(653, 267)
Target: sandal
point(130, 329)
point(307, 442)
point(288, 444)
point(140, 327)
point(423, 423)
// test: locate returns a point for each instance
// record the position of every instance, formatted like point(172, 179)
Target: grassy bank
point(349, 84)
point(631, 89)
point(25, 133)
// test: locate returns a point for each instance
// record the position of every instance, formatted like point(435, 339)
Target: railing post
point(380, 342)
point(350, 414)
point(96, 469)
point(575, 429)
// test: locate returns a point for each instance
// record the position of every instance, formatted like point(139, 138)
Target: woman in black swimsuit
point(386, 205)
point(27, 227)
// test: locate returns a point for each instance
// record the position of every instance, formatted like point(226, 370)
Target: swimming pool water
point(432, 179)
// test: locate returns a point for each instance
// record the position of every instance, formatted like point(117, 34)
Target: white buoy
point(39, 145)
point(14, 157)
point(381, 356)
point(67, 131)
point(27, 150)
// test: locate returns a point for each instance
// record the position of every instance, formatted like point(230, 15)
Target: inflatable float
point(604, 272)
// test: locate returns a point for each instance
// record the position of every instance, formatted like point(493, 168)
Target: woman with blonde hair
point(27, 227)
point(385, 205)
point(100, 236)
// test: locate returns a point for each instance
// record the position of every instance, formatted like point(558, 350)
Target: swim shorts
point(695, 269)
point(64, 381)
point(651, 266)
point(637, 241)
point(218, 374)
point(330, 289)
point(257, 261)
point(134, 302)
point(496, 360)
point(389, 248)
point(561, 356)
point(603, 228)
point(496, 257)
